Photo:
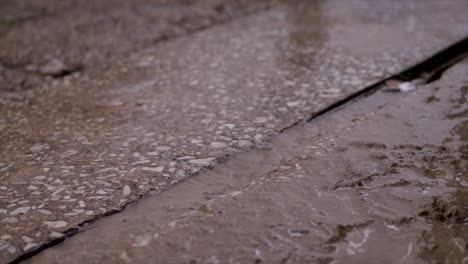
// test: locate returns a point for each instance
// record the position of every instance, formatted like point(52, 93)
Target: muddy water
point(382, 180)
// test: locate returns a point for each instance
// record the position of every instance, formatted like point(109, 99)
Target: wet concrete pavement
point(380, 180)
point(87, 145)
point(47, 40)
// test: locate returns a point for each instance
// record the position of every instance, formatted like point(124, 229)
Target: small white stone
point(406, 87)
point(244, 143)
point(218, 144)
point(3, 211)
point(69, 153)
point(27, 239)
point(206, 121)
point(258, 137)
point(163, 148)
point(334, 90)
point(233, 194)
point(32, 188)
point(44, 212)
point(36, 148)
point(124, 256)
point(155, 169)
point(230, 126)
point(204, 162)
point(142, 241)
point(126, 191)
point(186, 158)
point(55, 197)
point(141, 162)
point(260, 120)
point(39, 178)
point(196, 141)
point(180, 174)
point(101, 192)
point(10, 220)
point(293, 103)
point(55, 234)
point(29, 246)
point(106, 170)
point(56, 224)
point(20, 210)
point(6, 237)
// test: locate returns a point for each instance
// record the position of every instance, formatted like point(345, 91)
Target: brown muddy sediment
point(384, 180)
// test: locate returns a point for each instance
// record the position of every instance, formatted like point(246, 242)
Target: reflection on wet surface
point(88, 145)
point(306, 35)
point(374, 182)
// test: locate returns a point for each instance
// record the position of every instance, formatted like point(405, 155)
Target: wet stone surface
point(88, 144)
point(42, 41)
point(381, 180)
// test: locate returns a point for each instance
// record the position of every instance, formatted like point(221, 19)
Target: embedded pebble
point(204, 162)
point(10, 220)
point(39, 178)
point(334, 91)
point(101, 192)
point(53, 67)
point(180, 174)
point(12, 250)
point(36, 148)
point(155, 169)
point(126, 191)
point(196, 141)
point(20, 210)
point(163, 148)
point(56, 224)
point(44, 211)
point(27, 239)
point(124, 256)
point(142, 241)
point(55, 234)
point(233, 194)
point(258, 137)
point(69, 153)
point(29, 246)
point(293, 103)
point(244, 143)
point(218, 144)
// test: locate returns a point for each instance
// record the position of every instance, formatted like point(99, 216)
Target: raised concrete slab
point(381, 180)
